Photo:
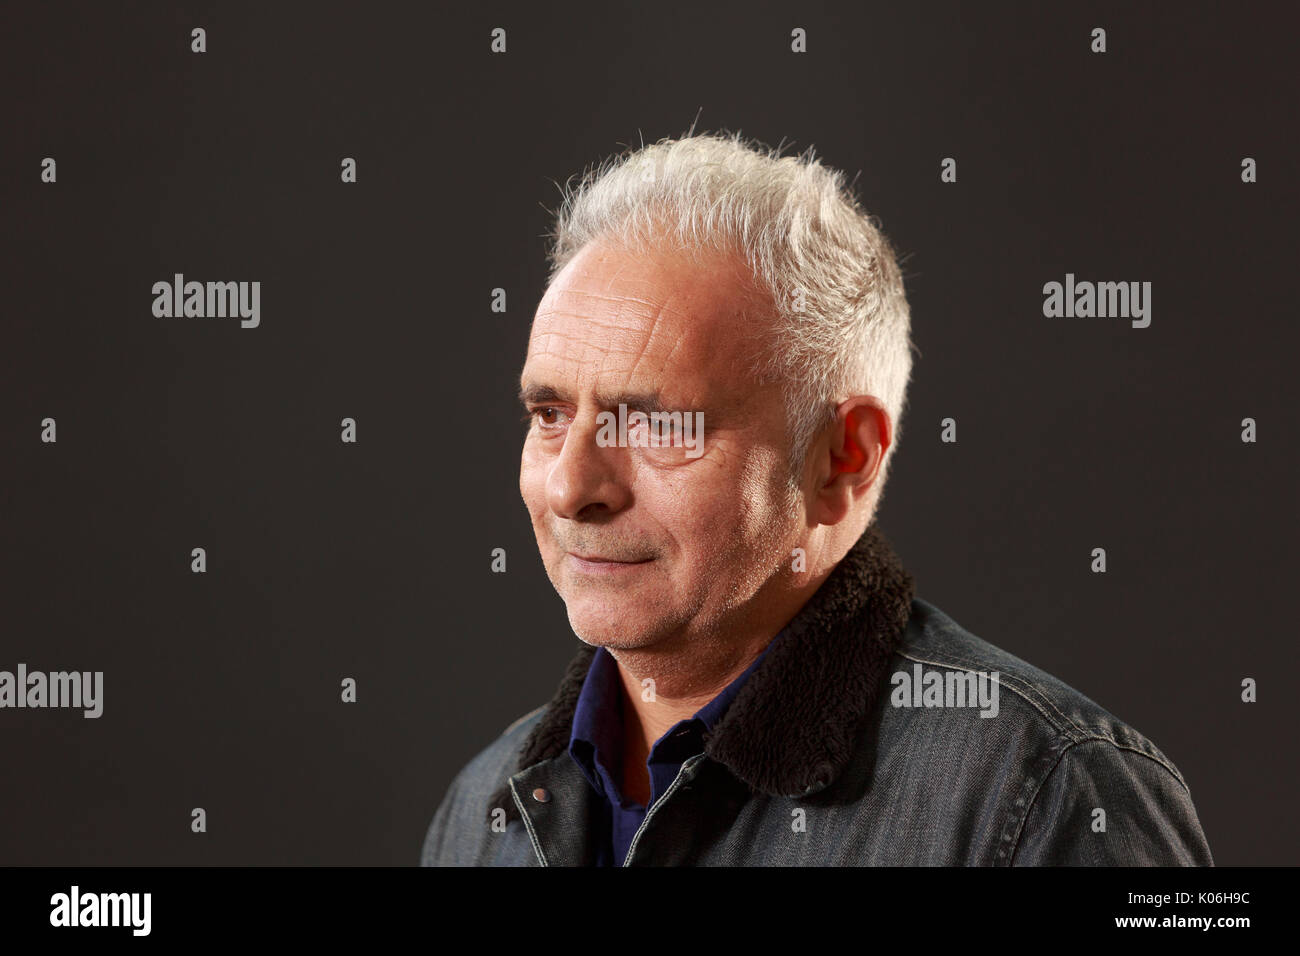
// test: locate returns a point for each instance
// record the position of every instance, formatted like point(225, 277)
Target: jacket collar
point(792, 728)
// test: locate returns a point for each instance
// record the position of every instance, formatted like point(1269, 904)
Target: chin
point(605, 630)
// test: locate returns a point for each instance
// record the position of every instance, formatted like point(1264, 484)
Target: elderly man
point(757, 683)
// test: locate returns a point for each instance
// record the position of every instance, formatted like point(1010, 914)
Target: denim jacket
point(877, 732)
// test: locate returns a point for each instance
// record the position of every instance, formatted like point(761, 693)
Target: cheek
point(532, 483)
point(760, 508)
point(710, 513)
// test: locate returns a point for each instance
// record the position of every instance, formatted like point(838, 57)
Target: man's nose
point(587, 480)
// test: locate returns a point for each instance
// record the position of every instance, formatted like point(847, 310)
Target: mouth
point(598, 564)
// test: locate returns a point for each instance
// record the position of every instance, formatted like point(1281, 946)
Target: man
point(757, 683)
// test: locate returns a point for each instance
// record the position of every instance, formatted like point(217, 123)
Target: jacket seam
point(1023, 688)
point(528, 825)
point(1020, 829)
point(1015, 683)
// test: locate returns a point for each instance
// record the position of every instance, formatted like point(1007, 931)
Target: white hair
point(823, 268)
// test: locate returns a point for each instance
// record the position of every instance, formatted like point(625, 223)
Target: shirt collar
point(596, 741)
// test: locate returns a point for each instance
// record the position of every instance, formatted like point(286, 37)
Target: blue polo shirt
point(596, 744)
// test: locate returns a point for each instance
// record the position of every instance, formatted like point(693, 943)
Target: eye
point(545, 415)
point(663, 427)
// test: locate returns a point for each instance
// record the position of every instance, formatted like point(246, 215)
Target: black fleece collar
point(791, 729)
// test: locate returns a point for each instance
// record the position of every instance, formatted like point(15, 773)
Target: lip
point(594, 564)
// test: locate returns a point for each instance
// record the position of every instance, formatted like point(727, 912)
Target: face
point(653, 546)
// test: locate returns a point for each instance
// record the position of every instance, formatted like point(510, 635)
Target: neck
point(673, 679)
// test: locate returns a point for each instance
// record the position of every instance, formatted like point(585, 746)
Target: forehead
point(621, 320)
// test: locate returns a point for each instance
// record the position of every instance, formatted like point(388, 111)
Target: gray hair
point(819, 261)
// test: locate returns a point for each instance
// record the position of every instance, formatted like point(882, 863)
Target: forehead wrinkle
point(648, 341)
point(629, 321)
point(623, 306)
point(625, 318)
point(587, 363)
point(543, 344)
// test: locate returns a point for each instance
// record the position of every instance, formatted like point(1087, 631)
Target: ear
point(848, 458)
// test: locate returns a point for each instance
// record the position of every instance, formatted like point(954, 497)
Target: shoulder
point(1044, 706)
point(461, 817)
point(1067, 780)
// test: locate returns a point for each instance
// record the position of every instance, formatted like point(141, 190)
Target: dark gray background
point(372, 560)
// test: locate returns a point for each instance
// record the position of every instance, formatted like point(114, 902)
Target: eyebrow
point(647, 402)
